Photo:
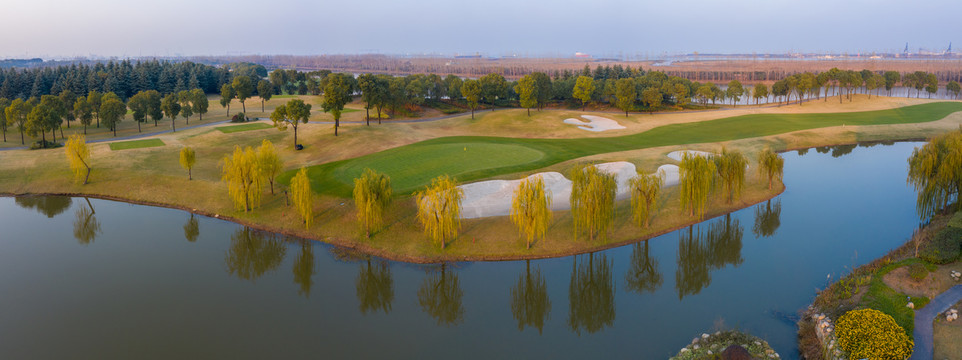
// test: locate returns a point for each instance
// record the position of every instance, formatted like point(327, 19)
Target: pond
point(92, 278)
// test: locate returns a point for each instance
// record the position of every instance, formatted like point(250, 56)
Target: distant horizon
point(621, 55)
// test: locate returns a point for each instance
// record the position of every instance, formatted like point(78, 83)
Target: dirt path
point(923, 322)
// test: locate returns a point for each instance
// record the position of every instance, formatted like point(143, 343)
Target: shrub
point(40, 144)
point(871, 334)
point(944, 247)
point(917, 271)
point(239, 117)
point(956, 220)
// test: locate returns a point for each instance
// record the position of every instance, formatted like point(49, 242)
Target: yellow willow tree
point(243, 178)
point(770, 165)
point(530, 209)
point(696, 180)
point(187, 160)
point(935, 170)
point(731, 170)
point(303, 197)
point(645, 189)
point(269, 162)
point(372, 195)
point(439, 209)
point(592, 200)
point(78, 154)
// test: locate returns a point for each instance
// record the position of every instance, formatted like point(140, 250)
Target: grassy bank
point(410, 168)
point(153, 175)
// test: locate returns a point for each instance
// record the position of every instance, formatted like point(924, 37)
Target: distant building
point(582, 55)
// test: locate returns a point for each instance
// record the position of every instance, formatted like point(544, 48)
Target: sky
point(125, 28)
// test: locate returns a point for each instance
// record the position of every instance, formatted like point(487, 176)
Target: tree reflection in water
point(304, 269)
point(440, 296)
point(48, 205)
point(842, 150)
point(591, 295)
point(643, 275)
point(85, 226)
point(767, 218)
point(375, 287)
point(253, 253)
point(529, 299)
point(700, 253)
point(191, 229)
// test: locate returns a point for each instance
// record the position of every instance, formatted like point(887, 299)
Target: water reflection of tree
point(842, 150)
point(85, 226)
point(802, 152)
point(375, 287)
point(48, 205)
point(643, 275)
point(700, 253)
point(591, 295)
point(823, 149)
point(440, 296)
point(767, 218)
point(304, 269)
point(191, 229)
point(253, 253)
point(529, 299)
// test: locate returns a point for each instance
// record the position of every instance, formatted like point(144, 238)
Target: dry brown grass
point(153, 175)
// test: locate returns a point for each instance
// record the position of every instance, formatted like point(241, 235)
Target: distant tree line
point(123, 78)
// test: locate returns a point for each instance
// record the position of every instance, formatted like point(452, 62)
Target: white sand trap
point(493, 197)
point(595, 123)
point(676, 155)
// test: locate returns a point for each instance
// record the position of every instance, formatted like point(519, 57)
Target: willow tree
point(78, 154)
point(696, 180)
point(592, 200)
point(302, 196)
point(268, 162)
point(771, 165)
point(439, 209)
point(731, 170)
point(645, 190)
point(372, 195)
point(187, 160)
point(243, 178)
point(526, 92)
point(531, 209)
point(291, 114)
point(935, 170)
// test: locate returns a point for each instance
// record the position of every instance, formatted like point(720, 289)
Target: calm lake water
point(99, 279)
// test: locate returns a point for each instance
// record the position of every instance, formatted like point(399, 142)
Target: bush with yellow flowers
point(872, 334)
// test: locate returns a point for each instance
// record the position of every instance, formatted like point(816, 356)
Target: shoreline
point(378, 252)
point(365, 246)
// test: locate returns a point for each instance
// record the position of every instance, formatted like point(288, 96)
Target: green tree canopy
point(291, 114)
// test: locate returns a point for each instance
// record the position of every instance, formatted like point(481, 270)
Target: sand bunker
point(493, 197)
point(595, 123)
point(676, 155)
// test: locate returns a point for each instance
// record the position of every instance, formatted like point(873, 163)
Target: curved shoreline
point(366, 248)
point(378, 252)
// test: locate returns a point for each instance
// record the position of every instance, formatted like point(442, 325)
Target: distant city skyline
point(606, 28)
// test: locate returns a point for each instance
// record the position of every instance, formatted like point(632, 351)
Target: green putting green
point(413, 166)
point(136, 144)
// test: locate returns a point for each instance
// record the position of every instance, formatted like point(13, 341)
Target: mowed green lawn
point(413, 166)
point(136, 144)
point(245, 127)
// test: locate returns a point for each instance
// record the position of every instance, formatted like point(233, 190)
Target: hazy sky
point(63, 28)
